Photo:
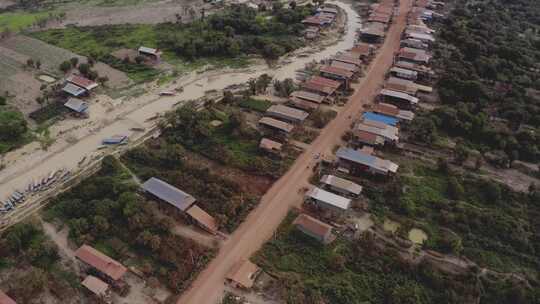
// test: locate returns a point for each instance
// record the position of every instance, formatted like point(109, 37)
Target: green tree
point(12, 125)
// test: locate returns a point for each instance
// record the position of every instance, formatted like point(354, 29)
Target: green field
point(19, 21)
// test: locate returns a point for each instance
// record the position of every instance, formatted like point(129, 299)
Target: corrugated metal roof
point(168, 193)
point(341, 183)
point(337, 71)
point(313, 225)
point(314, 97)
point(399, 95)
point(403, 71)
point(74, 90)
point(101, 262)
point(243, 273)
point(378, 128)
point(349, 58)
point(382, 118)
point(147, 50)
point(346, 66)
point(362, 158)
point(114, 140)
point(95, 285)
point(329, 198)
point(288, 112)
point(278, 124)
point(203, 218)
point(368, 138)
point(76, 105)
point(269, 144)
point(82, 82)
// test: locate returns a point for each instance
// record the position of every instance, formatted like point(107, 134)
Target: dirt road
point(284, 194)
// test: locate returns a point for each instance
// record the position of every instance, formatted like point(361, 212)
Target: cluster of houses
point(407, 82)
point(324, 17)
point(76, 87)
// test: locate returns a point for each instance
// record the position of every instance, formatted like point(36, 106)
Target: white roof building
point(329, 198)
point(341, 184)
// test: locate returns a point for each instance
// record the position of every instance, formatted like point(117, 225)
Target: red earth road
point(285, 193)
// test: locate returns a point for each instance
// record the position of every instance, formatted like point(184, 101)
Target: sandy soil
point(145, 13)
point(262, 222)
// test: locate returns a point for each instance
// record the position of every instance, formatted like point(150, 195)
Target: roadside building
point(401, 85)
point(329, 10)
point(387, 132)
point(356, 161)
point(305, 100)
point(404, 73)
point(363, 138)
point(424, 38)
point(414, 55)
point(314, 228)
point(388, 120)
point(168, 193)
point(97, 287)
point(349, 58)
point(424, 73)
point(286, 113)
point(345, 66)
point(243, 274)
point(400, 98)
point(318, 21)
point(414, 43)
point(270, 146)
point(327, 200)
point(363, 51)
point(392, 111)
point(77, 105)
point(414, 28)
point(380, 18)
point(151, 53)
point(109, 269)
point(203, 219)
point(338, 74)
point(275, 124)
point(320, 85)
point(341, 185)
point(5, 299)
point(373, 32)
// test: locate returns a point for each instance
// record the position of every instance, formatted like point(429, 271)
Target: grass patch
point(17, 21)
point(255, 104)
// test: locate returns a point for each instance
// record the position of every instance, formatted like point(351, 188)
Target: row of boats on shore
point(20, 196)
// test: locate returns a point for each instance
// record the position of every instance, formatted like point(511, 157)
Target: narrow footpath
point(284, 194)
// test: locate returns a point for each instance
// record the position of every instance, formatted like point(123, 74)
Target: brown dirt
point(262, 222)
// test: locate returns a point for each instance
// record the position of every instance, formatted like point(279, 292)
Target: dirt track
point(284, 194)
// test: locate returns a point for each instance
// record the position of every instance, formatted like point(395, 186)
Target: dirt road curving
point(284, 194)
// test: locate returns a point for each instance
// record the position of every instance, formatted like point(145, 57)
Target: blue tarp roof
point(380, 118)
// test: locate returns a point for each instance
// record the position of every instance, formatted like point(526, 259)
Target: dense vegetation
point(26, 248)
point(236, 31)
point(13, 128)
point(353, 272)
point(106, 212)
point(487, 58)
point(465, 215)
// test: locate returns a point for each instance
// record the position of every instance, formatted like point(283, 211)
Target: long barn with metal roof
point(168, 193)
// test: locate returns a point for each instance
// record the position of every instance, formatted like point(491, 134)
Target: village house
point(388, 132)
point(74, 90)
point(363, 138)
point(392, 111)
point(424, 38)
point(317, 21)
point(363, 51)
point(338, 74)
point(414, 55)
point(403, 73)
point(178, 199)
point(286, 113)
point(202, 219)
point(305, 100)
point(314, 228)
point(276, 125)
point(243, 274)
point(388, 120)
point(346, 66)
point(349, 58)
point(109, 269)
point(98, 288)
point(327, 200)
point(404, 100)
point(423, 72)
point(401, 85)
point(270, 146)
point(341, 185)
point(312, 32)
point(5, 299)
point(356, 162)
point(320, 85)
point(380, 18)
point(373, 32)
point(414, 43)
point(78, 106)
